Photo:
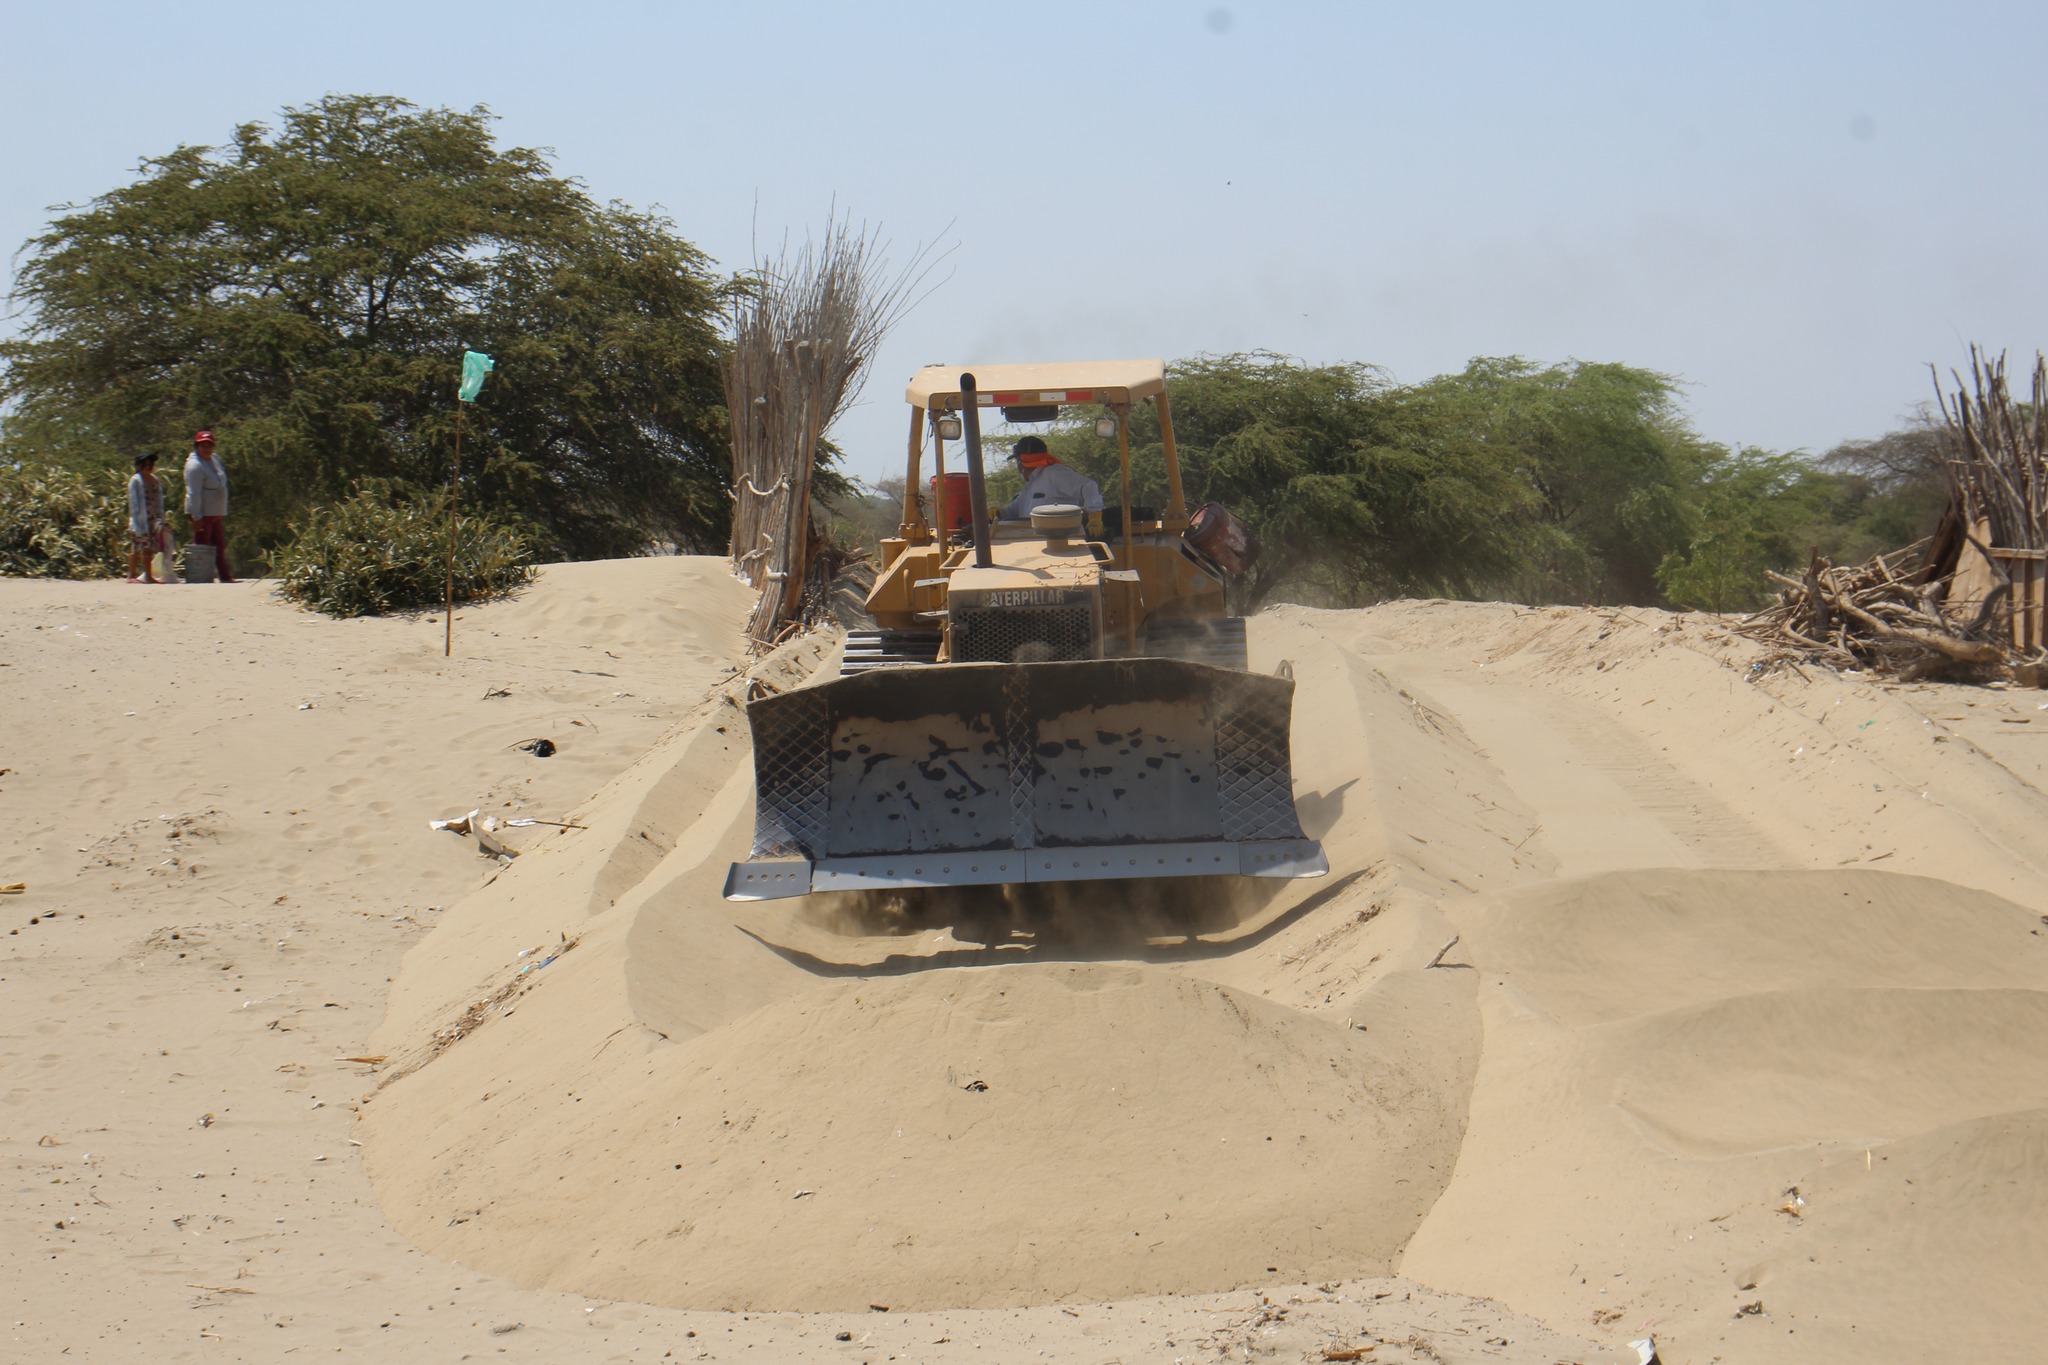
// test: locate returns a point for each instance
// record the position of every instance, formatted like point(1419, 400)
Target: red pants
point(207, 531)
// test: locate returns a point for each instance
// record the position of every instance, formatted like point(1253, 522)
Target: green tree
point(1354, 495)
point(1563, 483)
point(1608, 458)
point(307, 292)
point(1894, 488)
point(1752, 510)
point(1755, 510)
point(1566, 483)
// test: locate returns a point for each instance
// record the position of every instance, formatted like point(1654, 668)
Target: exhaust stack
point(977, 491)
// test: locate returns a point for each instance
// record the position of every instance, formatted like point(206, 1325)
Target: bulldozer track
point(871, 649)
point(1218, 642)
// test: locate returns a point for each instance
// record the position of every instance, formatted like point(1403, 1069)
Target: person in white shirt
point(145, 521)
point(1046, 480)
point(206, 501)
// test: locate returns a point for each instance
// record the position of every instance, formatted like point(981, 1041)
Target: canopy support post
point(913, 509)
point(1123, 460)
point(1176, 504)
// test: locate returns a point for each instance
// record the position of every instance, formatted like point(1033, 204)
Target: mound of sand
point(1927, 1248)
point(980, 1136)
point(1534, 1039)
point(1695, 1082)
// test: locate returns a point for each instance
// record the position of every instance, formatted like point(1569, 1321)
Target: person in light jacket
point(145, 520)
point(206, 501)
point(1046, 480)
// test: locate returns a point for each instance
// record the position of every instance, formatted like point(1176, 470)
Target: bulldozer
point(1051, 698)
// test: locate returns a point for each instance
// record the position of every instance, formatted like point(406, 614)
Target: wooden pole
point(818, 409)
point(454, 496)
point(1177, 503)
point(796, 557)
point(913, 516)
point(939, 481)
point(1123, 459)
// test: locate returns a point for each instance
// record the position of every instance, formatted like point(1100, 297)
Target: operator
point(1046, 480)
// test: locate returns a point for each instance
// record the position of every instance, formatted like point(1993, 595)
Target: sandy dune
point(1647, 996)
point(975, 1137)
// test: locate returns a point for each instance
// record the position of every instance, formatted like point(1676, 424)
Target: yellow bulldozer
point(1058, 696)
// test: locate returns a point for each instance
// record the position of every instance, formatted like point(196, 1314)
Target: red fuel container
point(955, 509)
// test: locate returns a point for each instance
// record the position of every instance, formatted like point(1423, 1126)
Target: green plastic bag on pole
point(475, 365)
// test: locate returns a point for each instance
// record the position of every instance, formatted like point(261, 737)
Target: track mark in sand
point(1605, 798)
point(1722, 836)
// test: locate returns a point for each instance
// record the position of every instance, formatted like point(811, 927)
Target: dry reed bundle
point(803, 339)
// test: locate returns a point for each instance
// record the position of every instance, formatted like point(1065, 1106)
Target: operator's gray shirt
point(1055, 483)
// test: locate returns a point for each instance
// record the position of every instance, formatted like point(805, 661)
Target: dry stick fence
point(1933, 609)
point(1998, 487)
point(803, 339)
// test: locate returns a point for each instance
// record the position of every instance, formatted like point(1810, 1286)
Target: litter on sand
point(461, 824)
point(14, 889)
point(479, 824)
point(486, 844)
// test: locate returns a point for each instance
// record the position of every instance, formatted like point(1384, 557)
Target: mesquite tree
point(307, 292)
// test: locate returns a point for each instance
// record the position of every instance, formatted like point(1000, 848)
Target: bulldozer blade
point(988, 774)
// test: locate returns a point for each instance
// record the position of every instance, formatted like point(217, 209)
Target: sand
point(1648, 996)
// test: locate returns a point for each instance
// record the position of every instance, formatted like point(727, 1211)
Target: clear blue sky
point(1792, 206)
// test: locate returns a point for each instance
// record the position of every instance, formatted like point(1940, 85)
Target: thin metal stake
point(454, 496)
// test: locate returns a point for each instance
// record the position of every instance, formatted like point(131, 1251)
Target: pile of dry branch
point(1883, 615)
point(802, 342)
point(1947, 607)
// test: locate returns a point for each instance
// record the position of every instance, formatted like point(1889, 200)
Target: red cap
point(202, 438)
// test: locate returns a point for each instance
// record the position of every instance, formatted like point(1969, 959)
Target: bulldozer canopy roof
point(1075, 381)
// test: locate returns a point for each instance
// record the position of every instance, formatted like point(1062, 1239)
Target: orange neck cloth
point(1031, 461)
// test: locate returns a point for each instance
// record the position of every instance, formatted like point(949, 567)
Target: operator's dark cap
point(146, 457)
point(1029, 445)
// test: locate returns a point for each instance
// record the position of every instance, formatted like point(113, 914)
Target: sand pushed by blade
point(988, 1137)
point(986, 774)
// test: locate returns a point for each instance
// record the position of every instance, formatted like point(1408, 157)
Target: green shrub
point(58, 524)
point(386, 549)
